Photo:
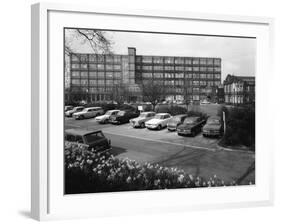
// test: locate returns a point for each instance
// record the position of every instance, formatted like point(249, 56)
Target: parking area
point(196, 155)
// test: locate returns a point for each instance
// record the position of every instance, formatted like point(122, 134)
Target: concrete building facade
point(98, 75)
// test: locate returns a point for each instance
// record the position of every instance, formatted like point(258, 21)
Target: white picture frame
point(47, 202)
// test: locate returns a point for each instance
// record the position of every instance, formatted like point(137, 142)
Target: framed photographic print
point(148, 111)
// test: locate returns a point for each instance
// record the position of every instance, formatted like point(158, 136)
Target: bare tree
point(186, 95)
point(153, 92)
point(96, 39)
point(120, 93)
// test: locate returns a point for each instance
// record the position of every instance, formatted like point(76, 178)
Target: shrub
point(175, 110)
point(89, 172)
point(240, 127)
point(197, 114)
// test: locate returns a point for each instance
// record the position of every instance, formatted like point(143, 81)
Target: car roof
point(162, 114)
point(80, 107)
point(112, 110)
point(147, 112)
point(193, 117)
point(93, 108)
point(80, 131)
point(180, 115)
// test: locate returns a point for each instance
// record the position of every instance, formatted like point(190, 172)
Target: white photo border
point(48, 200)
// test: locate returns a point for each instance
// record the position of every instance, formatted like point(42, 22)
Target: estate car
point(88, 113)
point(95, 140)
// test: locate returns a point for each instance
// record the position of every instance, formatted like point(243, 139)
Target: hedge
point(89, 172)
point(240, 127)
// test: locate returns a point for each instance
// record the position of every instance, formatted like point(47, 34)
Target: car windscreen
point(213, 121)
point(121, 113)
point(90, 138)
point(158, 116)
point(175, 119)
point(144, 115)
point(73, 138)
point(190, 120)
point(109, 113)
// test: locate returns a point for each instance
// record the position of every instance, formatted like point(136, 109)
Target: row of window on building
point(144, 67)
point(90, 82)
point(178, 68)
point(181, 75)
point(177, 60)
point(118, 75)
point(144, 59)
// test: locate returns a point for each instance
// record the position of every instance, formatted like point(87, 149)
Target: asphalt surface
point(196, 155)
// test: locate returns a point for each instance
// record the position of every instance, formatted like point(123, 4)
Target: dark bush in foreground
point(240, 127)
point(88, 172)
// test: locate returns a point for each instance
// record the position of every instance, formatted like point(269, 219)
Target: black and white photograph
point(154, 111)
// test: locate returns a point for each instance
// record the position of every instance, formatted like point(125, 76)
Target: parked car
point(123, 116)
point(67, 108)
point(140, 120)
point(95, 140)
point(213, 127)
point(105, 118)
point(176, 121)
point(159, 121)
point(88, 113)
point(191, 126)
point(204, 102)
point(74, 110)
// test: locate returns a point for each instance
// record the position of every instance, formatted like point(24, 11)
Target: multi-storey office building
point(192, 77)
point(239, 89)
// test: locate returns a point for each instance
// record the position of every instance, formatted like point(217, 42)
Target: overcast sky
point(238, 54)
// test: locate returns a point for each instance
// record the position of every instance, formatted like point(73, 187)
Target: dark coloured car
point(123, 116)
point(213, 127)
point(176, 121)
point(191, 126)
point(95, 140)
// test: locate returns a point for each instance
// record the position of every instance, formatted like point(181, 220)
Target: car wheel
point(142, 125)
point(159, 127)
point(193, 133)
point(81, 117)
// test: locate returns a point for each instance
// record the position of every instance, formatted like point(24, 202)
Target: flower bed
point(89, 172)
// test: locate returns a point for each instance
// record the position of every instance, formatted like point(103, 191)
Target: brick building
point(239, 89)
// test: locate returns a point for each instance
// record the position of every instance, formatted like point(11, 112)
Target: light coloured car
point(140, 120)
point(67, 108)
point(213, 127)
point(105, 118)
point(176, 121)
point(88, 113)
point(69, 113)
point(159, 121)
point(204, 102)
